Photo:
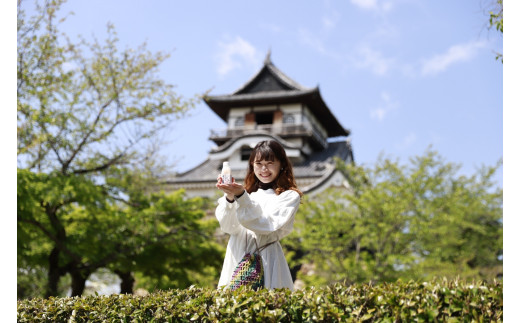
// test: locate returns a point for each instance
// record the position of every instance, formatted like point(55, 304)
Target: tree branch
point(59, 243)
point(129, 251)
point(111, 162)
point(65, 166)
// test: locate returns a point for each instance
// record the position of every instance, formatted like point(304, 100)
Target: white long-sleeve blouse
point(266, 217)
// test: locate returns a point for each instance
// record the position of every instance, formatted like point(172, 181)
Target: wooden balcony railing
point(279, 130)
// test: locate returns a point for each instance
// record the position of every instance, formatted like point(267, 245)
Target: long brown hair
point(269, 150)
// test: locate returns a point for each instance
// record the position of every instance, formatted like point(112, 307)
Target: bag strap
point(262, 247)
point(265, 246)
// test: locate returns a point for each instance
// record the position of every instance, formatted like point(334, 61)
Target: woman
point(260, 213)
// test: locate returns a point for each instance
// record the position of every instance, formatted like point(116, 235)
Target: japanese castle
point(272, 106)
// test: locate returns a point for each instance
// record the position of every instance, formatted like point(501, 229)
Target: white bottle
point(226, 173)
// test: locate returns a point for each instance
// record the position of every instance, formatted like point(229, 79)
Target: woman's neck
point(265, 186)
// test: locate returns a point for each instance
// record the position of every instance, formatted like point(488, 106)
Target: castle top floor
point(271, 102)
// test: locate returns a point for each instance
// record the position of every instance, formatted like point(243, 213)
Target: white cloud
point(383, 33)
point(234, 53)
point(387, 105)
point(274, 28)
point(374, 5)
point(373, 60)
point(307, 38)
point(316, 38)
point(330, 21)
point(365, 4)
point(315, 42)
point(455, 54)
point(378, 113)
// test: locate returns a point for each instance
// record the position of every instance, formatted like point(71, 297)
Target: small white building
point(272, 106)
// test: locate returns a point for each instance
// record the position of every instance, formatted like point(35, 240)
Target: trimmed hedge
point(436, 301)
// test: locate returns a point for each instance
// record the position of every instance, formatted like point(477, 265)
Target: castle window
point(288, 118)
point(245, 152)
point(264, 118)
point(239, 122)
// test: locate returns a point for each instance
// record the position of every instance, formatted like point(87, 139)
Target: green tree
point(410, 222)
point(89, 115)
point(161, 238)
point(496, 21)
point(43, 207)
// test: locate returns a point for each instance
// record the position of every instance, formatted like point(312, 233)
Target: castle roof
point(318, 167)
point(272, 86)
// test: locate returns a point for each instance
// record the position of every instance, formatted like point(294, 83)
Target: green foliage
point(164, 238)
point(31, 280)
point(401, 222)
point(42, 201)
point(172, 243)
point(496, 21)
point(86, 106)
point(435, 301)
point(89, 116)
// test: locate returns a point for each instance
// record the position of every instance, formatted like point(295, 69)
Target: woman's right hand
point(231, 189)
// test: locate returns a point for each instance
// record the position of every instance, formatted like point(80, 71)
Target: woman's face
point(266, 170)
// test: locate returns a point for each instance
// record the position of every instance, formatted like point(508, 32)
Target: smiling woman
point(257, 215)
point(266, 171)
point(269, 165)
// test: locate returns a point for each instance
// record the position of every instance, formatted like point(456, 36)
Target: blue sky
point(400, 74)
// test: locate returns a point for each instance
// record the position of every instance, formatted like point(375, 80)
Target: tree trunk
point(79, 279)
point(55, 272)
point(127, 282)
point(294, 271)
point(298, 255)
point(358, 250)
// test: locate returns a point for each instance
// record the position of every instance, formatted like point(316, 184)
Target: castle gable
point(269, 79)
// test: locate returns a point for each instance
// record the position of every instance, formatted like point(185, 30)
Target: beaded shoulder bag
point(250, 270)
